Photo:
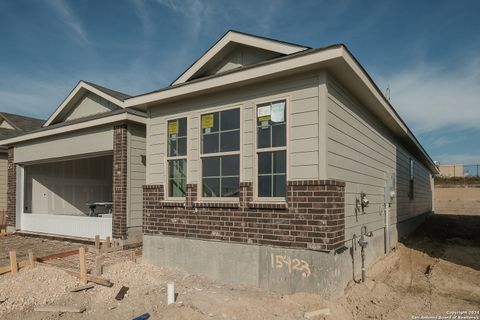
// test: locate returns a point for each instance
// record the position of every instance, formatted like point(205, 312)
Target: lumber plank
point(97, 280)
point(83, 266)
point(81, 288)
point(13, 262)
point(121, 293)
point(21, 265)
point(59, 255)
point(60, 309)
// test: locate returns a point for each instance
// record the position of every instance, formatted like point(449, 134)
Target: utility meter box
point(390, 187)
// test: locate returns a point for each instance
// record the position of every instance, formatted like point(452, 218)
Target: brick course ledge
point(268, 205)
point(173, 203)
point(216, 204)
point(313, 216)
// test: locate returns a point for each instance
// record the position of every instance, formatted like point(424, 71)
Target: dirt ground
point(432, 273)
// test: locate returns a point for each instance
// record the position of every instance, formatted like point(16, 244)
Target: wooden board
point(81, 288)
point(21, 264)
point(59, 255)
point(121, 293)
point(97, 280)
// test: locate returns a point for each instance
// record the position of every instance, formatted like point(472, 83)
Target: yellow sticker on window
point(207, 121)
point(173, 127)
point(264, 118)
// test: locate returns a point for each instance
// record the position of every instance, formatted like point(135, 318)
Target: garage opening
point(69, 197)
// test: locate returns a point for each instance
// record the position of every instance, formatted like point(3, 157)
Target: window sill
point(282, 205)
point(173, 203)
point(216, 204)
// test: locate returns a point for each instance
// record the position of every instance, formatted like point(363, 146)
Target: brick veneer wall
point(11, 189)
point(313, 216)
point(119, 196)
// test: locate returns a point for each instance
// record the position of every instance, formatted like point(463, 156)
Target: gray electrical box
point(390, 187)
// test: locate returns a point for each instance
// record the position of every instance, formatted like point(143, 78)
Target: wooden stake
point(31, 259)
point(98, 265)
point(83, 266)
point(133, 257)
point(13, 262)
point(97, 241)
point(107, 242)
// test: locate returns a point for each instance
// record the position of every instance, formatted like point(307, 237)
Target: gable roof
point(21, 123)
point(80, 89)
point(337, 59)
point(116, 94)
point(236, 37)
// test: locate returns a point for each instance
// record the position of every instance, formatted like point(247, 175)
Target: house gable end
point(86, 99)
point(236, 49)
point(89, 104)
point(5, 125)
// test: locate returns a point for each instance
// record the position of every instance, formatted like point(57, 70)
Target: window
point(221, 154)
point(412, 175)
point(177, 157)
point(272, 150)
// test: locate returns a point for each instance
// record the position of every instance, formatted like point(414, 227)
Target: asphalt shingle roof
point(116, 94)
point(22, 123)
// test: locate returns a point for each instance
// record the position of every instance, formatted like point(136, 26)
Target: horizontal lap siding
point(302, 96)
point(3, 182)
point(361, 152)
point(136, 173)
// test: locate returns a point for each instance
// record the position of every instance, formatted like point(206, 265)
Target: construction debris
point(121, 294)
point(142, 317)
point(97, 280)
point(83, 288)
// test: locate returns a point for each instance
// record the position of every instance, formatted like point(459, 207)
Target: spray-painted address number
point(279, 261)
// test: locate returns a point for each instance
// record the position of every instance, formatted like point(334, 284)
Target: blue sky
point(428, 52)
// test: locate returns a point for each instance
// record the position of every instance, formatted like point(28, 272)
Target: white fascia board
point(81, 85)
point(232, 36)
point(74, 127)
point(236, 77)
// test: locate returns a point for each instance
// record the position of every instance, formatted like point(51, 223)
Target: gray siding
point(66, 145)
point(136, 174)
point(90, 104)
point(363, 153)
point(3, 181)
point(302, 94)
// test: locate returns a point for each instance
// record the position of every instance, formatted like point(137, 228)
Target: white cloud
point(197, 12)
point(431, 98)
point(69, 18)
point(143, 14)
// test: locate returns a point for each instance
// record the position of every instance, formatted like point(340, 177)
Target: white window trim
point(167, 158)
point(200, 197)
point(257, 150)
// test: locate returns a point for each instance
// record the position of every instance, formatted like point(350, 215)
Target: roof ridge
point(113, 93)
